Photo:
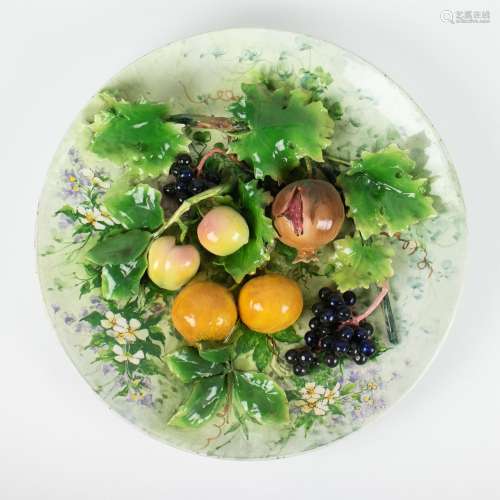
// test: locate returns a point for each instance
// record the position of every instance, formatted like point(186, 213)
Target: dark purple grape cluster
point(331, 337)
point(185, 184)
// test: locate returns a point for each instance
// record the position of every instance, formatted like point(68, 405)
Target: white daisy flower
point(94, 179)
point(123, 337)
point(122, 356)
point(312, 392)
point(332, 394)
point(129, 331)
point(318, 407)
point(95, 217)
point(111, 320)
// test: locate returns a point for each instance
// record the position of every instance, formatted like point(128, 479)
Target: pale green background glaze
point(189, 74)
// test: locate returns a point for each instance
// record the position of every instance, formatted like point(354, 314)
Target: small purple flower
point(71, 184)
point(98, 305)
point(79, 238)
point(74, 156)
point(68, 193)
point(70, 176)
point(147, 400)
point(139, 396)
point(82, 327)
point(357, 414)
point(56, 308)
point(64, 223)
point(108, 368)
point(69, 319)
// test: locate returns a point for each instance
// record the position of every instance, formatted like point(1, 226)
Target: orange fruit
point(204, 311)
point(270, 303)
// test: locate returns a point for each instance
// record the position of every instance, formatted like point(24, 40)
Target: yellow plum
point(171, 266)
point(223, 231)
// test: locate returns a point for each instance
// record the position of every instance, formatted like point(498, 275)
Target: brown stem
point(372, 307)
point(214, 122)
point(206, 156)
point(203, 121)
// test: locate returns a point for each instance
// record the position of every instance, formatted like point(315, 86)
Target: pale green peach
point(223, 231)
point(171, 266)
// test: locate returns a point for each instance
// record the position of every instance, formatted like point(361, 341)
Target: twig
point(372, 307)
point(309, 166)
point(339, 160)
point(206, 156)
point(390, 324)
point(210, 122)
point(190, 202)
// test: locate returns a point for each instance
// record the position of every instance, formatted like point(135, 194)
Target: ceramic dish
point(202, 75)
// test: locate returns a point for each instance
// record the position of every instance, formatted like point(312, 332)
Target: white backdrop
point(59, 441)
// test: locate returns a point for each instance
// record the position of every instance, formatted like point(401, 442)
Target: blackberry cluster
point(330, 337)
point(185, 184)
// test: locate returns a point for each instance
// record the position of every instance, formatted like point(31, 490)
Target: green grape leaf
point(382, 195)
point(249, 340)
point(151, 348)
point(347, 388)
point(215, 351)
point(99, 340)
point(289, 253)
point(285, 126)
point(149, 367)
point(256, 252)
point(68, 211)
point(159, 336)
point(359, 264)
point(288, 336)
point(89, 285)
point(94, 318)
point(137, 135)
point(137, 208)
point(120, 282)
point(260, 398)
point(262, 353)
point(119, 248)
point(187, 365)
point(335, 410)
point(246, 341)
point(203, 403)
